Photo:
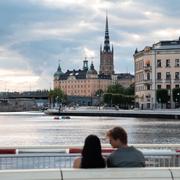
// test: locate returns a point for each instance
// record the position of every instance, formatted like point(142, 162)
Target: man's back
point(126, 157)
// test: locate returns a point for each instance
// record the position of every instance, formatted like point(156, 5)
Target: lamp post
point(177, 99)
point(160, 103)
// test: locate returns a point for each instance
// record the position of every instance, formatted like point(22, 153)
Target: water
point(38, 129)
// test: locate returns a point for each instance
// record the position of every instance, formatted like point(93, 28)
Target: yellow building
point(156, 67)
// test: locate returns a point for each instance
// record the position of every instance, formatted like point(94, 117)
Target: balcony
point(177, 80)
point(147, 81)
point(147, 68)
point(159, 80)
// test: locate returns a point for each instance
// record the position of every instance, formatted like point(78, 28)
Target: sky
point(37, 35)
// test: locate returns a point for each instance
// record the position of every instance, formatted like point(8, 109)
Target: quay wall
point(17, 105)
point(137, 114)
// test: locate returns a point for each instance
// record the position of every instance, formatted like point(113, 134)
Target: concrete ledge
point(125, 113)
point(32, 174)
point(93, 174)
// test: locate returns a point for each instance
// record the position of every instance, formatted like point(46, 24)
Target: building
point(156, 67)
point(106, 55)
point(81, 86)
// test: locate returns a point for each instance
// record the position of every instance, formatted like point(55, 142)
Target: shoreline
point(162, 114)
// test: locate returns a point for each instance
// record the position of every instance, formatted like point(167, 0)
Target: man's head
point(117, 137)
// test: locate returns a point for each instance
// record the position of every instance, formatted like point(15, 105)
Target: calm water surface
point(38, 129)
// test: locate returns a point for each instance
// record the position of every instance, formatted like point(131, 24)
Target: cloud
point(35, 34)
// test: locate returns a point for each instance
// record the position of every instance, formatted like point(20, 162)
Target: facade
point(156, 67)
point(81, 85)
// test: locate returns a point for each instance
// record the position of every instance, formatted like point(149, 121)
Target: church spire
point(106, 38)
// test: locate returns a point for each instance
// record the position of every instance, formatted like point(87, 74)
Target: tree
point(162, 96)
point(117, 88)
point(56, 95)
point(130, 90)
point(176, 96)
point(99, 92)
point(107, 97)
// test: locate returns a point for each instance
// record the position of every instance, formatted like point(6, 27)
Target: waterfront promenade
point(98, 111)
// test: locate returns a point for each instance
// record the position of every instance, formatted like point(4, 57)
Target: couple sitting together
point(123, 156)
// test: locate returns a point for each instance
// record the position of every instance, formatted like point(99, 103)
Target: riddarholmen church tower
point(106, 55)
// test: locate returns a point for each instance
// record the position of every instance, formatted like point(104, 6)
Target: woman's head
point(92, 146)
point(91, 153)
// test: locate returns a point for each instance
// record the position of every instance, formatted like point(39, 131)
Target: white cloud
point(88, 53)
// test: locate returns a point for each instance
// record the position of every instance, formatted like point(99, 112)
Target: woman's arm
point(77, 163)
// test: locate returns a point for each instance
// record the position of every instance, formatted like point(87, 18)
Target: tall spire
point(106, 38)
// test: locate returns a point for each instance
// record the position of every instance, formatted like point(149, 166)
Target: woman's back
point(91, 154)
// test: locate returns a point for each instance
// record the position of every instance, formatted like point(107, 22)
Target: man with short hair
point(124, 156)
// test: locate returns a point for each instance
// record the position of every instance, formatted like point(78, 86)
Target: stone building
point(156, 67)
point(81, 85)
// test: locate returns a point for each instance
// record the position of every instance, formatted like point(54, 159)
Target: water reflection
point(37, 129)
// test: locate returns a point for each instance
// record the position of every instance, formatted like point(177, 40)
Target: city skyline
point(36, 34)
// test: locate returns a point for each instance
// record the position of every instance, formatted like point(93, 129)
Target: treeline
point(117, 95)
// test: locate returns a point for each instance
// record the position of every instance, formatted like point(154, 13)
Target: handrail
point(106, 148)
point(80, 145)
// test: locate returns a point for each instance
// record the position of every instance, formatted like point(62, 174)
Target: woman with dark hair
point(91, 154)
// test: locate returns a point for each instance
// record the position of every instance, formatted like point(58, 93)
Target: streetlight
point(160, 103)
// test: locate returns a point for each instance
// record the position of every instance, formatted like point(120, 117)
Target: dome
point(92, 70)
point(91, 73)
point(58, 73)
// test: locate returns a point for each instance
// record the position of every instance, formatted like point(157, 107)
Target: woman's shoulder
point(77, 163)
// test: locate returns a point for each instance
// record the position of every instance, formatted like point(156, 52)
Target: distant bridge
point(27, 95)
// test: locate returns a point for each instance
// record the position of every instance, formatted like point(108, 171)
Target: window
point(168, 75)
point(176, 62)
point(168, 86)
point(148, 76)
point(159, 86)
point(148, 87)
point(177, 86)
point(167, 62)
point(159, 63)
point(158, 75)
point(176, 75)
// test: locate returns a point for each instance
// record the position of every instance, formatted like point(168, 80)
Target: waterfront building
point(156, 67)
point(82, 85)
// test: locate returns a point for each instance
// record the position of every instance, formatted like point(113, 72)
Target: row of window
point(159, 86)
point(139, 65)
point(75, 81)
point(75, 86)
point(168, 76)
point(168, 63)
point(168, 86)
point(78, 92)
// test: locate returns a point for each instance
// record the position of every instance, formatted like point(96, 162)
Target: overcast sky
point(35, 34)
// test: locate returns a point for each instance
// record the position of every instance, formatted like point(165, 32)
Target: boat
point(56, 117)
point(65, 117)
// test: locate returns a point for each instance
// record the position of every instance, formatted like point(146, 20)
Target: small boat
point(65, 117)
point(56, 117)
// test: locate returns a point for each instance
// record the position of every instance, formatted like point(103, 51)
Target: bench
point(93, 174)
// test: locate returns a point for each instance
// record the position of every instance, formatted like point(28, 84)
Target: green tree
point(162, 96)
point(130, 90)
point(117, 88)
point(107, 97)
point(99, 92)
point(176, 95)
point(56, 95)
